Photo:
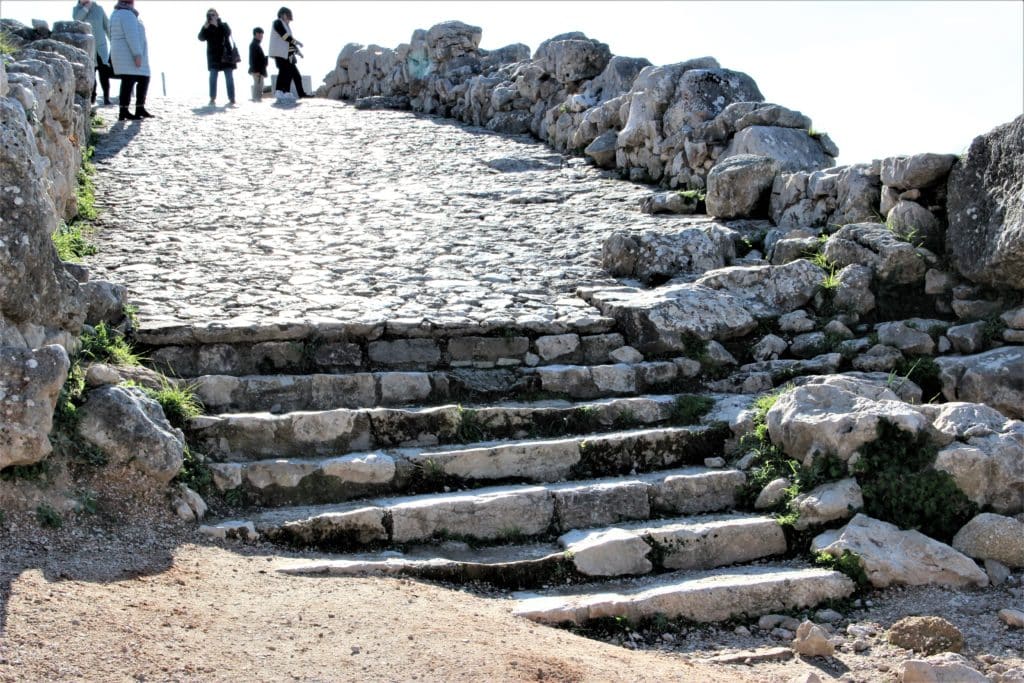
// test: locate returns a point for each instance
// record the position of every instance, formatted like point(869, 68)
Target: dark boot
point(124, 115)
point(141, 113)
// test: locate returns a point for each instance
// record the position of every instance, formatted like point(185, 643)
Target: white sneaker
point(212, 103)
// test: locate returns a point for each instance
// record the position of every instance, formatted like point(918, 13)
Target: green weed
point(848, 563)
point(899, 485)
point(688, 409)
point(178, 401)
point(71, 242)
point(48, 517)
point(471, 428)
point(195, 473)
point(104, 345)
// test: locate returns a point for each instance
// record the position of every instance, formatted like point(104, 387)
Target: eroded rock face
point(891, 556)
point(739, 186)
point(30, 382)
point(837, 416)
point(654, 257)
point(985, 208)
point(871, 244)
point(131, 429)
point(994, 377)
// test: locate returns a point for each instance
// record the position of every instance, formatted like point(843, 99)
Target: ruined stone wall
point(45, 88)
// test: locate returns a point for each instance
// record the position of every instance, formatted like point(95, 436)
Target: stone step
point(706, 596)
point(278, 393)
point(633, 549)
point(257, 436)
point(492, 514)
point(306, 481)
point(191, 352)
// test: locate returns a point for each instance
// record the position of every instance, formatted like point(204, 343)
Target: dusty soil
point(124, 594)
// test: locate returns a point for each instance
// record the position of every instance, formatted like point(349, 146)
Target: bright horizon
point(881, 78)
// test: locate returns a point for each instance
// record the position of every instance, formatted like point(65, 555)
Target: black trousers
point(105, 71)
point(141, 84)
point(288, 73)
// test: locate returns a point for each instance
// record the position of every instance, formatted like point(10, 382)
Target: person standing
point(129, 57)
point(257, 64)
point(217, 35)
point(285, 51)
point(92, 14)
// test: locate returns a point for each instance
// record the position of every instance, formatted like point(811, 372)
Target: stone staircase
point(547, 458)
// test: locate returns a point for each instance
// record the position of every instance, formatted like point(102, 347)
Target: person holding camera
point(285, 51)
point(92, 14)
point(217, 35)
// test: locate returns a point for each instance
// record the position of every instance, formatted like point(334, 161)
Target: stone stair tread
point(453, 555)
point(299, 512)
point(702, 596)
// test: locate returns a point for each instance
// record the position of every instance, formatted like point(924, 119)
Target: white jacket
point(279, 43)
point(128, 41)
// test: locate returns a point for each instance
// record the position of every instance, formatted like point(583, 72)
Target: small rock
point(929, 635)
point(859, 645)
point(741, 631)
point(939, 669)
point(1013, 618)
point(782, 634)
point(713, 463)
point(997, 572)
point(812, 641)
point(828, 616)
point(806, 677)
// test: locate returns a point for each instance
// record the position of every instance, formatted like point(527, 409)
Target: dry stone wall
point(663, 124)
point(44, 121)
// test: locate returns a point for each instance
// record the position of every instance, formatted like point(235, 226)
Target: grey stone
point(738, 186)
point(30, 383)
point(918, 171)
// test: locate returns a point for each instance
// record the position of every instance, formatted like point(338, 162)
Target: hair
point(257, 30)
point(283, 11)
point(211, 11)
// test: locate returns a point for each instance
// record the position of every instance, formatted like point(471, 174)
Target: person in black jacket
point(217, 35)
point(257, 64)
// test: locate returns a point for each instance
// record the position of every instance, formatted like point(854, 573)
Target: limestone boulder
point(451, 39)
point(573, 58)
point(132, 430)
point(827, 503)
point(654, 256)
point(994, 377)
point(792, 149)
point(768, 291)
point(928, 635)
point(992, 537)
point(30, 383)
point(891, 556)
point(985, 209)
point(666, 318)
point(608, 552)
point(105, 302)
point(853, 293)
point(739, 186)
point(871, 244)
point(837, 416)
point(916, 172)
point(988, 466)
point(601, 150)
point(670, 202)
point(916, 224)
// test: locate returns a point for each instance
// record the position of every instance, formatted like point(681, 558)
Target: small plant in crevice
point(178, 402)
point(36, 472)
point(900, 486)
point(688, 409)
point(848, 563)
point(48, 518)
point(922, 371)
point(105, 345)
point(195, 473)
point(993, 330)
point(72, 242)
point(471, 428)
point(87, 502)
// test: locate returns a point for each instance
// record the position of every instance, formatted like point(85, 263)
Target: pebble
point(322, 212)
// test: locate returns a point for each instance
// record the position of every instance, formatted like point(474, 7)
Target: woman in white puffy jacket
point(129, 56)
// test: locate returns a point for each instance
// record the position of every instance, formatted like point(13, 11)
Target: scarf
point(121, 4)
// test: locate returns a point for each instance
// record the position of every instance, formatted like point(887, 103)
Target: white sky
point(882, 78)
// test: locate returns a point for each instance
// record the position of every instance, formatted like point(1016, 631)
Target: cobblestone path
point(321, 212)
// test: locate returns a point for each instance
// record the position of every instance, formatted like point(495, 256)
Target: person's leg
point(284, 76)
point(104, 71)
point(125, 98)
point(141, 88)
point(213, 86)
point(94, 84)
point(257, 87)
point(297, 77)
point(229, 80)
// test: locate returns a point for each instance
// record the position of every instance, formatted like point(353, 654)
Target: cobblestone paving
point(321, 212)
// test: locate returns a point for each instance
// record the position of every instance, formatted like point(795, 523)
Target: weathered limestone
point(991, 377)
point(132, 430)
point(891, 556)
point(992, 537)
point(707, 598)
point(654, 256)
point(871, 244)
point(30, 382)
point(738, 186)
point(985, 239)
